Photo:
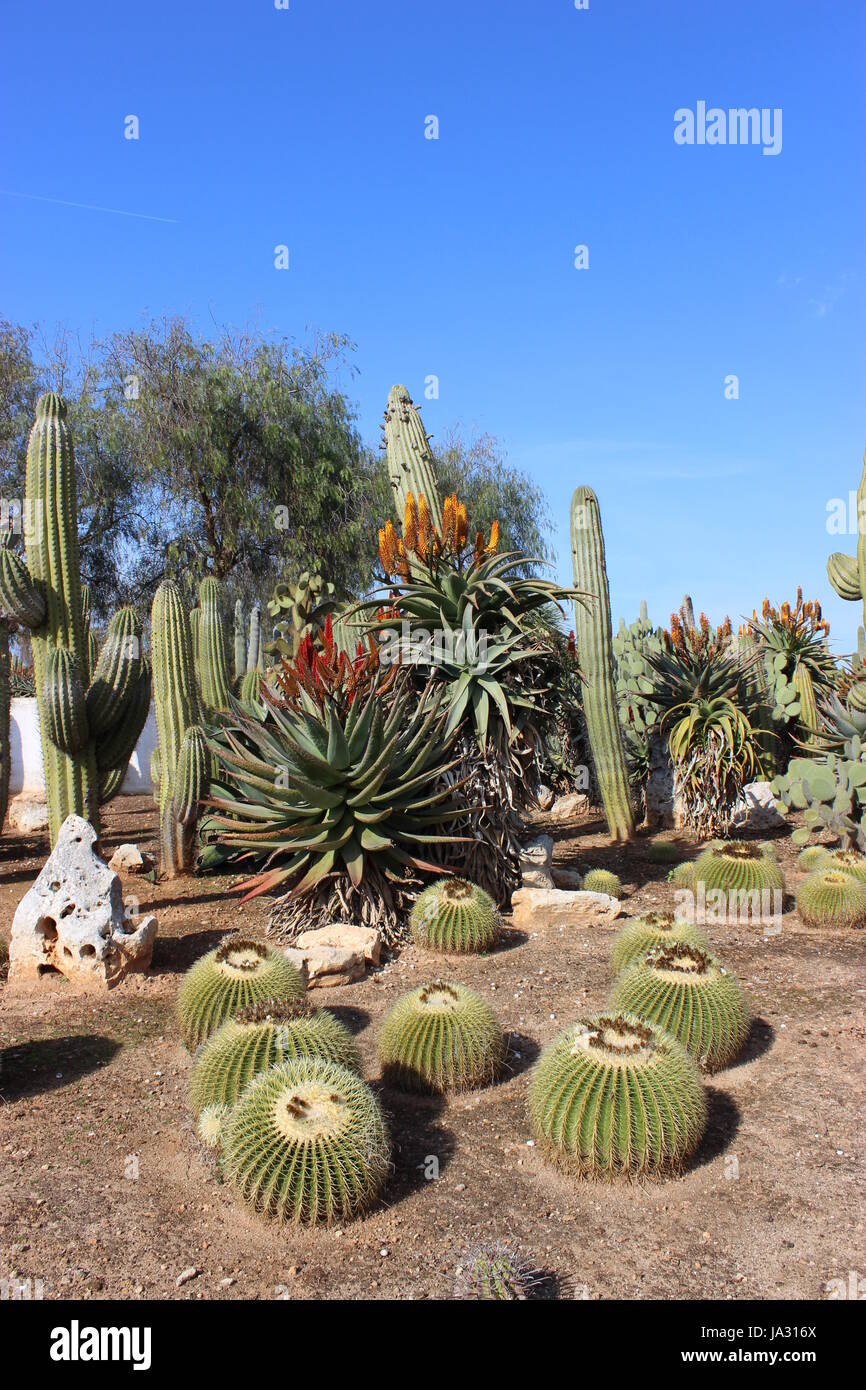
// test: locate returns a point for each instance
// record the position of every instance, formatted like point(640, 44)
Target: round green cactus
point(307, 1143)
point(494, 1273)
point(441, 1037)
point(270, 1032)
point(809, 859)
point(210, 1125)
point(601, 881)
point(832, 898)
point(614, 1095)
point(687, 992)
point(662, 852)
point(234, 976)
point(847, 861)
point(455, 915)
point(738, 866)
point(683, 876)
point(653, 929)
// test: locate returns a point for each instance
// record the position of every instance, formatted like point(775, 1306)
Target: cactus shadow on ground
point(48, 1064)
point(173, 955)
point(759, 1040)
point(723, 1123)
point(356, 1020)
point(417, 1140)
point(521, 1053)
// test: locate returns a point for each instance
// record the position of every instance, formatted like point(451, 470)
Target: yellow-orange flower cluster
point(700, 641)
point(421, 538)
point(804, 618)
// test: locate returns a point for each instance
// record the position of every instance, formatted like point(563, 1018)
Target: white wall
point(26, 772)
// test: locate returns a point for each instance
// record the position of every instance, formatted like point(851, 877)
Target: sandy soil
point(104, 1191)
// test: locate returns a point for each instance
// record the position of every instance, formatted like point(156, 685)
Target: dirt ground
point(104, 1192)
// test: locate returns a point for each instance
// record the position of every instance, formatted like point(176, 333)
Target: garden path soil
point(104, 1192)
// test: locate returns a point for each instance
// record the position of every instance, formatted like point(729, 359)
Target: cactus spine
point(178, 727)
point(594, 651)
point(46, 596)
point(847, 574)
point(409, 457)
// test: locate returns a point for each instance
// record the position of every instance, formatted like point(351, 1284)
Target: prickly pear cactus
point(830, 789)
point(299, 611)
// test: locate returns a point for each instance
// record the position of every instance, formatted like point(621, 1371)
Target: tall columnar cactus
point(82, 723)
point(240, 642)
point(182, 761)
point(594, 652)
point(408, 455)
point(255, 647)
point(847, 574)
point(212, 665)
point(5, 702)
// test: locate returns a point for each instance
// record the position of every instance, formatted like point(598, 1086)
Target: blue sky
point(455, 256)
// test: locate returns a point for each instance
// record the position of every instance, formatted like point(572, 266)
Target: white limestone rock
point(534, 909)
point(128, 859)
point(72, 919)
point(27, 815)
point(568, 808)
point(335, 955)
point(756, 809)
point(536, 859)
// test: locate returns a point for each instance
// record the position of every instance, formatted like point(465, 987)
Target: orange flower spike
point(478, 553)
point(462, 526)
point(410, 523)
point(383, 554)
point(493, 543)
point(447, 520)
point(425, 527)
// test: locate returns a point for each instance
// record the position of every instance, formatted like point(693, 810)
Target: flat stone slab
point(343, 936)
point(538, 908)
point(570, 807)
point(73, 920)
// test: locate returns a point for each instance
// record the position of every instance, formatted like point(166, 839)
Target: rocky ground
point(104, 1191)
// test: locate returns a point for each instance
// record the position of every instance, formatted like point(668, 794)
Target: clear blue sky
point(306, 127)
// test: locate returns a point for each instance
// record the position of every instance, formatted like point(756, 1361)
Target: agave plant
point(339, 793)
point(799, 670)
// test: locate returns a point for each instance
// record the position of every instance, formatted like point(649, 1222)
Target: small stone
point(185, 1275)
point(555, 907)
point(568, 808)
point(535, 862)
point(128, 859)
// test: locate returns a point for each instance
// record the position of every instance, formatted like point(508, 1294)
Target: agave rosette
point(334, 779)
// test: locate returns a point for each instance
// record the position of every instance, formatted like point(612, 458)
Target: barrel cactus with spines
point(262, 1036)
point(829, 897)
point(307, 1143)
point(495, 1273)
point(212, 664)
point(441, 1037)
point(595, 657)
point(181, 761)
point(455, 915)
point(687, 992)
point(653, 929)
point(809, 859)
point(683, 875)
point(76, 717)
point(615, 1096)
point(237, 975)
point(738, 866)
point(209, 1127)
point(662, 852)
point(408, 456)
point(601, 881)
point(847, 861)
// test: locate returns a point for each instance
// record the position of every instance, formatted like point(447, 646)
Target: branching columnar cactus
point(307, 1143)
point(495, 1273)
point(595, 657)
point(182, 763)
point(79, 720)
point(441, 1037)
point(832, 898)
point(615, 1096)
point(601, 881)
point(653, 929)
point(738, 866)
point(847, 574)
point(237, 975)
point(213, 665)
point(688, 993)
point(638, 716)
point(253, 1039)
point(409, 457)
point(455, 915)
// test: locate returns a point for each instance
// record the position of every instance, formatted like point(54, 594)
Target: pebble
point(185, 1276)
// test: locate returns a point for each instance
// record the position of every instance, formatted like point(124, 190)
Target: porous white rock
point(539, 908)
point(756, 808)
point(73, 920)
point(536, 859)
point(128, 859)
